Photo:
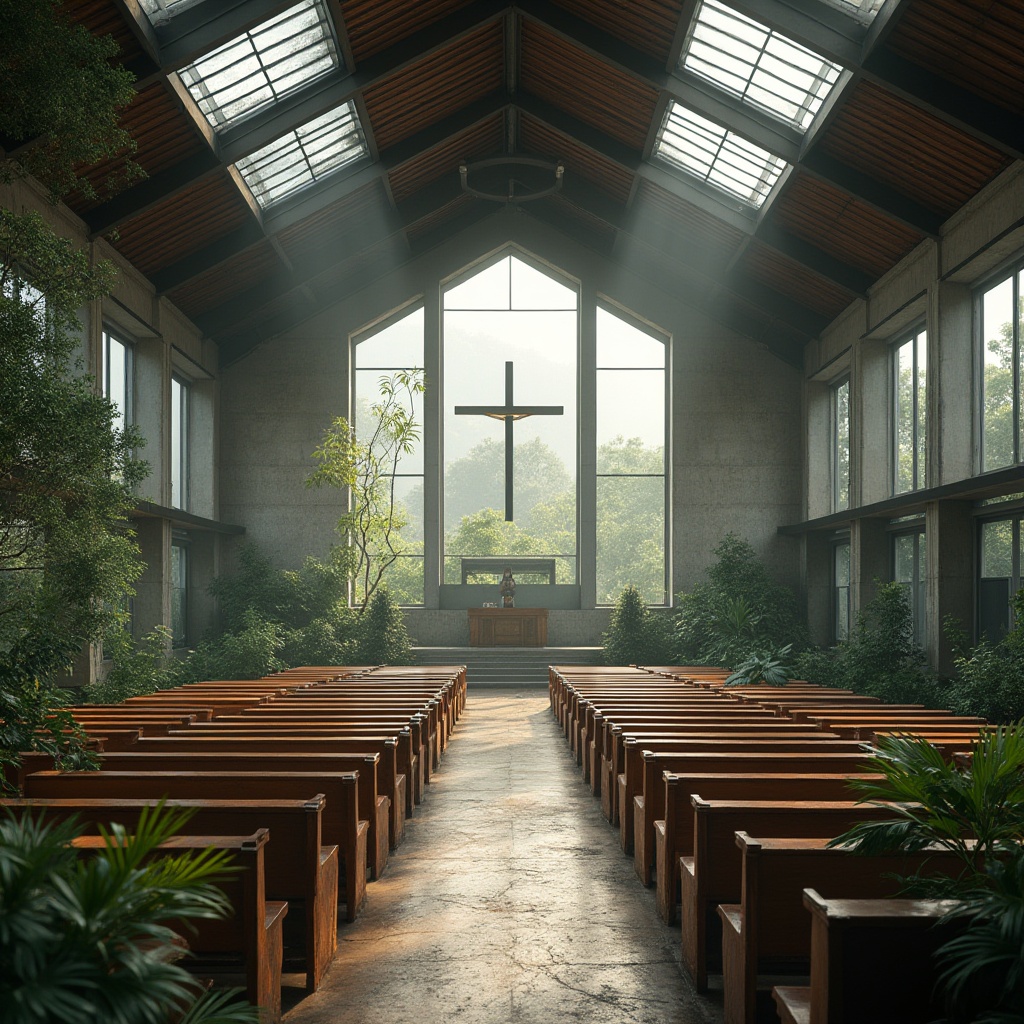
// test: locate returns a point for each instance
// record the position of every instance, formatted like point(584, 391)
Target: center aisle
point(510, 899)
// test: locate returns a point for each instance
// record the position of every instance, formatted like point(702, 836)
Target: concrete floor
point(510, 899)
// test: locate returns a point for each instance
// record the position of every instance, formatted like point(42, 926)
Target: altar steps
point(507, 666)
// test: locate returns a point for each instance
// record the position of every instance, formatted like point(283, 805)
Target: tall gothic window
point(631, 459)
point(180, 394)
point(395, 346)
point(511, 331)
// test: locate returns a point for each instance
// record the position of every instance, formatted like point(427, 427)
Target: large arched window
point(547, 420)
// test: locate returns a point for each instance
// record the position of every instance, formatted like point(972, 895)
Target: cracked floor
point(509, 900)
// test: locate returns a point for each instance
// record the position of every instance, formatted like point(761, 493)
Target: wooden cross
point(509, 412)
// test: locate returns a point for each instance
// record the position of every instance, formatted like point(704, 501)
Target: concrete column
point(952, 391)
point(949, 536)
point(871, 454)
point(433, 460)
point(586, 509)
point(152, 603)
point(870, 560)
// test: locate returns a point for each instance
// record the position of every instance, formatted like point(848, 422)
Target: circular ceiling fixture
point(519, 184)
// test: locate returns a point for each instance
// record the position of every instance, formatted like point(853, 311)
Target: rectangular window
point(179, 591)
point(631, 459)
point(841, 446)
point(117, 378)
point(391, 348)
point(908, 556)
point(179, 443)
point(841, 590)
point(910, 362)
point(1000, 314)
point(999, 561)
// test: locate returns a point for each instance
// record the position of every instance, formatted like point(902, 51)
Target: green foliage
point(879, 658)
point(770, 667)
point(636, 635)
point(135, 669)
point(364, 468)
point(383, 638)
point(88, 939)
point(737, 611)
point(66, 473)
point(975, 812)
point(251, 651)
point(62, 88)
point(990, 677)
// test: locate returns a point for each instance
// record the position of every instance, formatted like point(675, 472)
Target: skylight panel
point(863, 10)
point(303, 156)
point(262, 65)
point(758, 65)
point(717, 156)
point(160, 12)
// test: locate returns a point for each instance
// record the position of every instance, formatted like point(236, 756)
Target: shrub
point(383, 637)
point(251, 652)
point(636, 635)
point(879, 658)
point(771, 667)
point(989, 678)
point(738, 610)
point(322, 642)
point(135, 670)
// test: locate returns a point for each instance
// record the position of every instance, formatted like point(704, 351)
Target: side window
point(999, 319)
point(841, 445)
point(179, 590)
point(998, 575)
point(180, 397)
point(118, 377)
point(909, 553)
point(909, 412)
point(840, 590)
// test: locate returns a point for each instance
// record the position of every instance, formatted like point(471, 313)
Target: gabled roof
point(928, 108)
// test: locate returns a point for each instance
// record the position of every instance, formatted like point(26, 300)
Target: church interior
point(670, 270)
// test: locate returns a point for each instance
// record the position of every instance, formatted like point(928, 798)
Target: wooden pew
point(252, 937)
point(373, 808)
point(341, 824)
point(390, 787)
point(800, 757)
point(712, 874)
point(673, 834)
point(871, 960)
point(299, 870)
point(769, 932)
point(625, 763)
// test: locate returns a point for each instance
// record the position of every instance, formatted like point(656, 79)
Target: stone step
point(507, 666)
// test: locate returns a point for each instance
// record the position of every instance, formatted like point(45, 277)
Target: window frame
point(1014, 273)
point(113, 334)
point(180, 541)
point(180, 466)
point(356, 338)
point(918, 597)
point(838, 505)
point(840, 593)
point(915, 337)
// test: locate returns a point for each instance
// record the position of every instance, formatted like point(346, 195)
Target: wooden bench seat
point(871, 960)
point(249, 941)
point(673, 834)
point(341, 825)
point(769, 931)
point(390, 784)
point(298, 868)
point(624, 768)
point(373, 807)
point(712, 875)
point(801, 757)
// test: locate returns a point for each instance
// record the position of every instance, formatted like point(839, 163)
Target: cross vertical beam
point(509, 412)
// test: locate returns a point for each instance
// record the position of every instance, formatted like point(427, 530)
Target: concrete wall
point(736, 441)
point(935, 285)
